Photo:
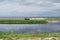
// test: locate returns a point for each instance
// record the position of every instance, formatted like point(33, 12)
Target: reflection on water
point(29, 28)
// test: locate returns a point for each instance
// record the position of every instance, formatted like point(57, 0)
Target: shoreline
point(13, 36)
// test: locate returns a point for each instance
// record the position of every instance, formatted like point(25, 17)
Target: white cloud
point(27, 6)
point(57, 5)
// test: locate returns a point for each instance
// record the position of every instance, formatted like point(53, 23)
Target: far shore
point(23, 21)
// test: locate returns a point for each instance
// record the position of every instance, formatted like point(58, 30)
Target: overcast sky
point(29, 8)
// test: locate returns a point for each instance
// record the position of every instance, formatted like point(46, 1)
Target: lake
point(30, 28)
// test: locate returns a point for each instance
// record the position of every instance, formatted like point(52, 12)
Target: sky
point(29, 8)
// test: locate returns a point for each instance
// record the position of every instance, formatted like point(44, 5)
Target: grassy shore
point(23, 21)
point(14, 36)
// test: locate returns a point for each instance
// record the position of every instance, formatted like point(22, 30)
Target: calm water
point(30, 28)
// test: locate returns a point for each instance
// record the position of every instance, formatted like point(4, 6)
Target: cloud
point(27, 7)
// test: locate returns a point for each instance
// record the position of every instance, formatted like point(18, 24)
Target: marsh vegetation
point(23, 21)
point(14, 36)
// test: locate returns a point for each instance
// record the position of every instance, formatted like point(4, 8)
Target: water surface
point(30, 28)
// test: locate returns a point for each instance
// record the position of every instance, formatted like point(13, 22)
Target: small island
point(23, 21)
point(28, 20)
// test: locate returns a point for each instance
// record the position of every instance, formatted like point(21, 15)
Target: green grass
point(23, 21)
point(10, 36)
point(13, 35)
